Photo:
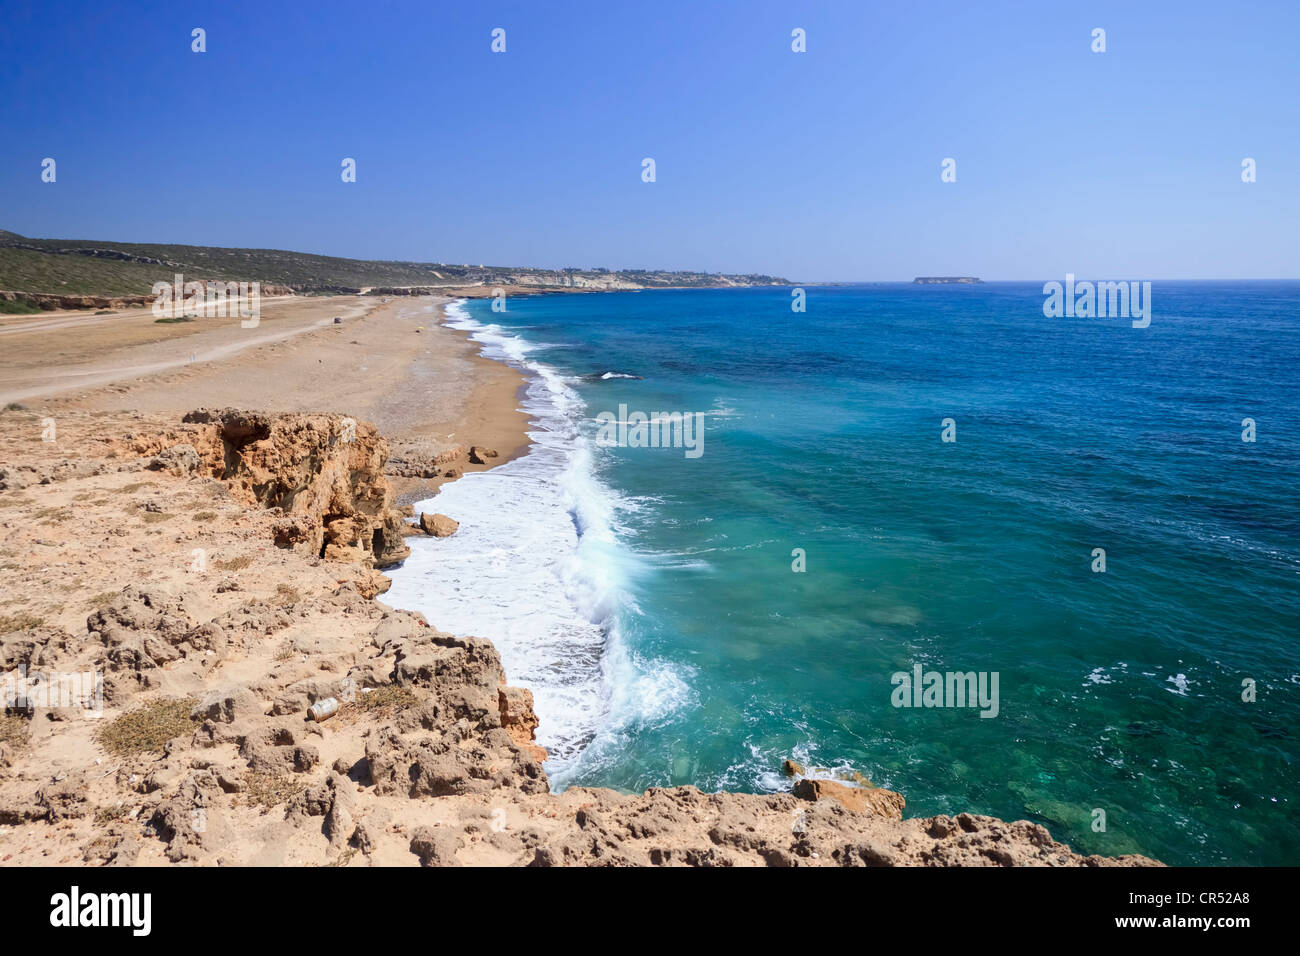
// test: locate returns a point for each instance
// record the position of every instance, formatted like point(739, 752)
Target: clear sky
point(822, 165)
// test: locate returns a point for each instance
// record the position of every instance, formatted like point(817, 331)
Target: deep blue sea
point(650, 598)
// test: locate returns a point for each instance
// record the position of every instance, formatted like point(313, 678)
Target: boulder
point(435, 846)
point(440, 526)
point(180, 459)
point(227, 705)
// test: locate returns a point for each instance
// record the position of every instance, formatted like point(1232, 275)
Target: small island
point(943, 280)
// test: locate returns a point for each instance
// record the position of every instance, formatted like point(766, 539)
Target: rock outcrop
point(212, 653)
point(324, 473)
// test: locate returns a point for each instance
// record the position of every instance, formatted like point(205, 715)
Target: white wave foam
point(539, 568)
point(759, 769)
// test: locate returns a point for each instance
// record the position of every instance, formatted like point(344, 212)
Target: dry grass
point(204, 515)
point(48, 516)
point(378, 702)
point(136, 486)
point(102, 599)
point(287, 594)
point(14, 730)
point(107, 815)
point(390, 695)
point(267, 790)
point(149, 727)
point(233, 564)
point(19, 622)
point(153, 517)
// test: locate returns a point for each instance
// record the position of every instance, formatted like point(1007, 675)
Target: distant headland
point(943, 280)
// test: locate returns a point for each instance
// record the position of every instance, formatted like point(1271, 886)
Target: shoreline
point(517, 572)
point(373, 365)
point(220, 573)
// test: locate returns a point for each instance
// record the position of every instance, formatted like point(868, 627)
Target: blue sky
point(823, 165)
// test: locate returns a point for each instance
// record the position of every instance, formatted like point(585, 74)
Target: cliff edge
point(217, 578)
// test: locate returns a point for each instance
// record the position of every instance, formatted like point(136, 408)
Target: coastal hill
point(945, 280)
point(57, 273)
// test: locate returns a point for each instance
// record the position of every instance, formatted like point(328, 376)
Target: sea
point(1097, 525)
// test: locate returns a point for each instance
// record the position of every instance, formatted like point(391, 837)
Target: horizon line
point(788, 284)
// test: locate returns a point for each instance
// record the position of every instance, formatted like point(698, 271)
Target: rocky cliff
point(218, 574)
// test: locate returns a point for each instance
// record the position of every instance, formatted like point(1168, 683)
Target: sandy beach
point(393, 364)
point(205, 539)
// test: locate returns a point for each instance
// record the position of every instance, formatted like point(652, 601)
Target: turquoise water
point(669, 641)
